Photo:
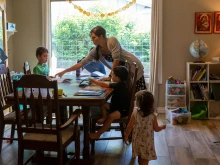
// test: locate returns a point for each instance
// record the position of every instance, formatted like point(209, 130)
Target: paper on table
point(61, 80)
point(84, 92)
point(94, 87)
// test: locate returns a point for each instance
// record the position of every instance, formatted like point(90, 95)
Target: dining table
point(69, 98)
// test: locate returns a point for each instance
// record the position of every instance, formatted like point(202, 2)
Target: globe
point(198, 49)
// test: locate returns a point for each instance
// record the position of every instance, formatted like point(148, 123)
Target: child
point(119, 105)
point(144, 123)
point(42, 66)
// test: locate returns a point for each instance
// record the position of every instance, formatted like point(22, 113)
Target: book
point(97, 74)
point(201, 74)
point(195, 72)
point(85, 92)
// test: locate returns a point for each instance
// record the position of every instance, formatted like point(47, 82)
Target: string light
point(87, 13)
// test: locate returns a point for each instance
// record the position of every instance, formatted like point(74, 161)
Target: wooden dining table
point(70, 99)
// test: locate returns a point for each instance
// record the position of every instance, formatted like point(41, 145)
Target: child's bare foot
point(101, 121)
point(94, 135)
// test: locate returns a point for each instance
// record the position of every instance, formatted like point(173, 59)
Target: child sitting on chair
point(42, 66)
point(119, 105)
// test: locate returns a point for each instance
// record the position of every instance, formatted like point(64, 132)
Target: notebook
point(97, 74)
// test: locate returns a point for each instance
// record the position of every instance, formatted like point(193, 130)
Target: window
point(70, 29)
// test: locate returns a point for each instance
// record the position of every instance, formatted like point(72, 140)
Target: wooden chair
point(35, 133)
point(27, 68)
point(9, 118)
point(94, 116)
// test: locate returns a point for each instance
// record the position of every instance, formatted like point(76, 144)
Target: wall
point(9, 14)
point(26, 14)
point(178, 34)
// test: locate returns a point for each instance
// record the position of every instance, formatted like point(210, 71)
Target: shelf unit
point(175, 98)
point(175, 95)
point(202, 89)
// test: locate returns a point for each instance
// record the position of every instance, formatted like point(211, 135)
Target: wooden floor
point(190, 144)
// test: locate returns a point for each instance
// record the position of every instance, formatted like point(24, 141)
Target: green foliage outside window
point(71, 38)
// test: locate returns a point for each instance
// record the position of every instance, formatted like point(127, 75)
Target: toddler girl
point(144, 123)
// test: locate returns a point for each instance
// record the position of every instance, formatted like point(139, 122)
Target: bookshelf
point(203, 87)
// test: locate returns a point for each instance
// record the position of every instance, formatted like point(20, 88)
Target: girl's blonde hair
point(145, 102)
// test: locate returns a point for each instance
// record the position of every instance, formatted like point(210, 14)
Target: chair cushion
point(12, 116)
point(66, 135)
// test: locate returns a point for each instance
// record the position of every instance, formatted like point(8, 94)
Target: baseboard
point(160, 109)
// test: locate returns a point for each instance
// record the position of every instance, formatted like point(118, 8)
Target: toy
point(178, 115)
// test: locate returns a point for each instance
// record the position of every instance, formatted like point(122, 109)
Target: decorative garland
point(102, 14)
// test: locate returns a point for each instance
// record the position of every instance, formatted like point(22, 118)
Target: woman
point(111, 54)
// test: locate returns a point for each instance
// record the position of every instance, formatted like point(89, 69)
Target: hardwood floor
point(190, 144)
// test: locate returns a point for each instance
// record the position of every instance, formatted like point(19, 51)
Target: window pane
point(70, 28)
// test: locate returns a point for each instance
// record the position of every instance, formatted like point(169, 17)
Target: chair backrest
point(131, 81)
point(36, 93)
point(5, 88)
point(27, 68)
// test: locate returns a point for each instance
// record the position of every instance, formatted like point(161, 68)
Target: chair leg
point(20, 155)
point(77, 148)
point(2, 128)
point(70, 110)
point(60, 157)
point(12, 133)
point(65, 155)
point(93, 123)
point(122, 130)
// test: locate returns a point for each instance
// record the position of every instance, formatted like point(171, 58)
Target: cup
point(60, 92)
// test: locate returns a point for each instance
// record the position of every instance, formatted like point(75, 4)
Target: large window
point(70, 28)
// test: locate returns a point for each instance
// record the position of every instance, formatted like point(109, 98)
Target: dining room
point(196, 143)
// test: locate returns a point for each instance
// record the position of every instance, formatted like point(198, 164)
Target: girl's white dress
point(143, 137)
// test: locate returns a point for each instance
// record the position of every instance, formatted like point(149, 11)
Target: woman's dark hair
point(145, 101)
point(40, 51)
point(98, 31)
point(121, 72)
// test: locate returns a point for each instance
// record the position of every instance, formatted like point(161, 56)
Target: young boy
point(42, 66)
point(119, 105)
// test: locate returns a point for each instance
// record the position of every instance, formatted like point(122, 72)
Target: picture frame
point(203, 22)
point(216, 22)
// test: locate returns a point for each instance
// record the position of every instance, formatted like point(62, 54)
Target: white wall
point(26, 14)
point(178, 33)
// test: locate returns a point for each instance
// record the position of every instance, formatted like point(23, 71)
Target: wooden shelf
point(10, 33)
point(214, 81)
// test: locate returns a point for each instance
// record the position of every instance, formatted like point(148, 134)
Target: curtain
point(46, 33)
point(156, 49)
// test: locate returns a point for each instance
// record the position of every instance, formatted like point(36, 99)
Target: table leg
point(63, 114)
point(86, 150)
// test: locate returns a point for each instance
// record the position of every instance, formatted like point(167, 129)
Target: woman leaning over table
point(111, 54)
